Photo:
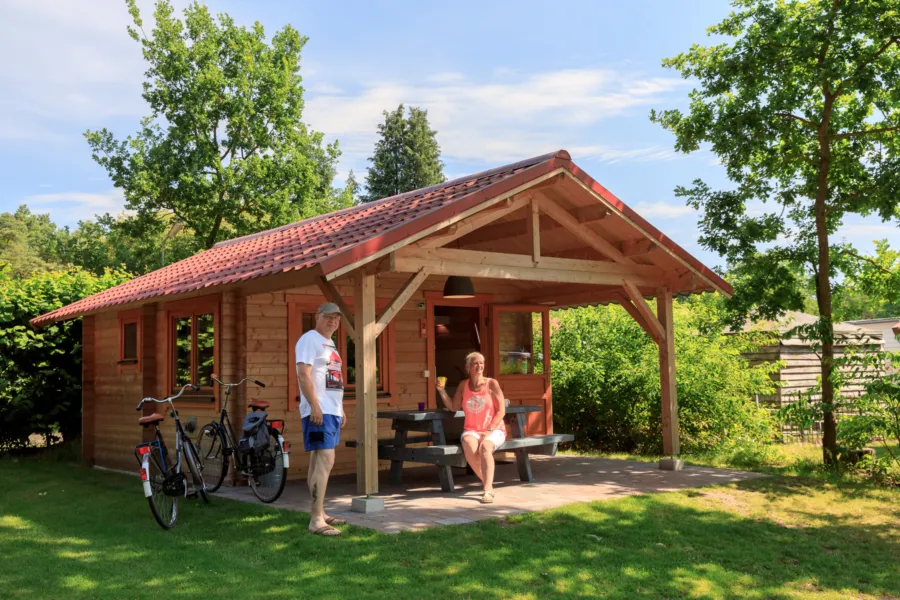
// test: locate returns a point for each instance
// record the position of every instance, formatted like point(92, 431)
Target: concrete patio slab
point(419, 503)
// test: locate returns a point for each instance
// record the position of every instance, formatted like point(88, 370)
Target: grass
point(67, 531)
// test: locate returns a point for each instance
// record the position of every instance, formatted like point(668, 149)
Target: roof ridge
point(474, 176)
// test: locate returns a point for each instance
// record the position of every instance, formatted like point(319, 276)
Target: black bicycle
point(163, 479)
point(265, 469)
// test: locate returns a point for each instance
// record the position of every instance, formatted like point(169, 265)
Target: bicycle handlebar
point(193, 387)
point(222, 383)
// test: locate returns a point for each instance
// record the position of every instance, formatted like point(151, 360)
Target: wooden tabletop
point(433, 415)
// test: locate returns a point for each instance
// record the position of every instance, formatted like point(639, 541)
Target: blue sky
point(501, 81)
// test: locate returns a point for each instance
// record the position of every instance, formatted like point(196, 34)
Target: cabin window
point(302, 318)
point(192, 347)
point(129, 340)
point(521, 339)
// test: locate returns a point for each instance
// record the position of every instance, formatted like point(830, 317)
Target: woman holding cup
point(481, 399)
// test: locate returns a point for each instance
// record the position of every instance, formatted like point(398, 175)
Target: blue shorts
point(322, 437)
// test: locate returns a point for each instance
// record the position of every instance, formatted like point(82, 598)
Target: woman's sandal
point(334, 521)
point(487, 498)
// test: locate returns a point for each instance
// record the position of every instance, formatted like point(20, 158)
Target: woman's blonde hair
point(472, 356)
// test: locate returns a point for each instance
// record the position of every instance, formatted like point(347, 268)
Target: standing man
point(321, 382)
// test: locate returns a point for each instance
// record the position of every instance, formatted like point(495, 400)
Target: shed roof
point(337, 240)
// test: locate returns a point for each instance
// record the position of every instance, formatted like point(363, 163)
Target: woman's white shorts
point(496, 436)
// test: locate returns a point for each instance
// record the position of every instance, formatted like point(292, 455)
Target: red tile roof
point(341, 238)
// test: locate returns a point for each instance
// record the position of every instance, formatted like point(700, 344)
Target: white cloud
point(498, 121)
point(68, 65)
point(869, 232)
point(650, 210)
point(71, 207)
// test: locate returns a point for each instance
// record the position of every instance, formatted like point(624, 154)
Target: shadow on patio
point(419, 503)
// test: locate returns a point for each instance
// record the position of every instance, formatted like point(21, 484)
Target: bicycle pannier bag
point(255, 436)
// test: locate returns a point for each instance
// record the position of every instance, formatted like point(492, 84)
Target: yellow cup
point(442, 381)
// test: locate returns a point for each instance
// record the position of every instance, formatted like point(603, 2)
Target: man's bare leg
point(323, 460)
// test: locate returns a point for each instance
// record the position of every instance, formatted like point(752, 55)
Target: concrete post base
point(367, 505)
point(671, 464)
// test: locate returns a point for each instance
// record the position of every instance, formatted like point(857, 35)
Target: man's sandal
point(487, 498)
point(327, 531)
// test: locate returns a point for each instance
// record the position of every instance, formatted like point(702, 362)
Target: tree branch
point(849, 199)
point(893, 40)
point(841, 136)
point(867, 259)
point(812, 124)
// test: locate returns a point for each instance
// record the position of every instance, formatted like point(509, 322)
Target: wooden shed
point(802, 367)
point(531, 236)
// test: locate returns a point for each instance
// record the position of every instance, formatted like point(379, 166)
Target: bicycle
point(163, 480)
point(266, 471)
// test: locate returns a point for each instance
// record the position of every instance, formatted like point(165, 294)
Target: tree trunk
point(823, 291)
point(211, 238)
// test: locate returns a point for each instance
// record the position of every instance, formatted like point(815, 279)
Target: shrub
point(606, 384)
point(40, 370)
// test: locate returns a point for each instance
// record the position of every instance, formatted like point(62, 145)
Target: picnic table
point(429, 427)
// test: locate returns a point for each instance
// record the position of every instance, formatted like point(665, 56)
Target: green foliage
point(407, 156)
point(224, 149)
point(30, 242)
point(606, 380)
point(40, 370)
point(800, 106)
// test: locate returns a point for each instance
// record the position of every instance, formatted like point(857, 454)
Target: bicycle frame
point(159, 442)
point(241, 461)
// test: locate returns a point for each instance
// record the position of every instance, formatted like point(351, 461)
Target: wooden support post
point(366, 423)
point(534, 225)
point(88, 389)
point(671, 444)
point(648, 320)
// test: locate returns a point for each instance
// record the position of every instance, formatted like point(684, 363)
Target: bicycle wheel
point(267, 474)
point(196, 469)
point(163, 506)
point(211, 448)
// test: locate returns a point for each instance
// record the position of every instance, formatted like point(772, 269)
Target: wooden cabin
point(530, 236)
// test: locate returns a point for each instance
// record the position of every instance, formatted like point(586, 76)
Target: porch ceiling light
point(459, 287)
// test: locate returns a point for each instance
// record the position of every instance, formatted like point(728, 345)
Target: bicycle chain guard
point(175, 484)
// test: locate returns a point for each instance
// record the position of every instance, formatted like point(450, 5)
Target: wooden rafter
point(445, 236)
point(653, 326)
point(400, 299)
point(496, 265)
point(565, 219)
point(636, 247)
point(331, 294)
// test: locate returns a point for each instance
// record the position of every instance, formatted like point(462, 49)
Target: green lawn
point(71, 532)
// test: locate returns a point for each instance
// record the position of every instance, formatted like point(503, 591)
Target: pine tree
point(407, 156)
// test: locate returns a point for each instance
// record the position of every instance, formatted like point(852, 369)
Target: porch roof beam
point(402, 297)
point(585, 234)
point(461, 228)
point(647, 319)
point(495, 265)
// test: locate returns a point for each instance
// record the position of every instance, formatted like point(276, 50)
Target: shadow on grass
point(72, 532)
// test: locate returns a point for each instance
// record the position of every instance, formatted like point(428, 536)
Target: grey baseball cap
point(329, 308)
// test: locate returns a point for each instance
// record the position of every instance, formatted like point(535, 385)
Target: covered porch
point(419, 503)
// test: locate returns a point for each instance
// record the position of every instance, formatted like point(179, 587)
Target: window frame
point(128, 317)
point(298, 304)
point(544, 310)
point(192, 308)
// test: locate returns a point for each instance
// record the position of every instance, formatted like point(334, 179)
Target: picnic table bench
point(445, 454)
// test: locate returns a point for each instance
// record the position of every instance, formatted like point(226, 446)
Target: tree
point(224, 149)
point(30, 243)
point(801, 106)
point(407, 156)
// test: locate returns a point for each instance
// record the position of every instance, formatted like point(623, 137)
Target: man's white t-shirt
point(328, 381)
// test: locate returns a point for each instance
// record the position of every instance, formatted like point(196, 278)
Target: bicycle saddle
point(261, 404)
point(151, 419)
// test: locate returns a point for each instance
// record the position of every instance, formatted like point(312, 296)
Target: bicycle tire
point(163, 506)
point(211, 449)
point(196, 469)
point(267, 488)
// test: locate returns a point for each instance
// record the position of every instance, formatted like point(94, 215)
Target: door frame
point(479, 301)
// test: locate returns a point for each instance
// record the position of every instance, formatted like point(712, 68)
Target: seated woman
point(482, 401)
